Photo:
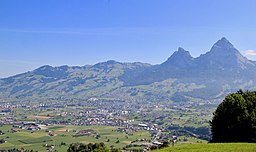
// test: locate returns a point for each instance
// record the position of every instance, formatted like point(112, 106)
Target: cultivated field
point(36, 140)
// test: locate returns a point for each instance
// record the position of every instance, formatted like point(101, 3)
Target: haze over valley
point(181, 78)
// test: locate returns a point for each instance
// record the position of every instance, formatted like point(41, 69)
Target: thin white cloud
point(250, 52)
point(93, 31)
point(38, 31)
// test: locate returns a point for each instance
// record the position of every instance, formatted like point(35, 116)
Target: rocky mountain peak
point(183, 52)
point(223, 55)
point(180, 58)
point(223, 43)
point(180, 54)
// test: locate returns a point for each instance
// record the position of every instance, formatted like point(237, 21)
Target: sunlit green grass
point(37, 139)
point(220, 147)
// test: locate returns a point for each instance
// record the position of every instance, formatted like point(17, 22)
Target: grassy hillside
point(220, 147)
point(129, 81)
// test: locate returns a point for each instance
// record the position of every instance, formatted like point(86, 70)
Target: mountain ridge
point(180, 78)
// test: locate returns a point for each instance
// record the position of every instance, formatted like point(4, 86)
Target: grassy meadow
point(64, 134)
point(219, 147)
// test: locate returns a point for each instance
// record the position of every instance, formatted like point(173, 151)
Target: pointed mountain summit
point(223, 55)
point(223, 60)
point(181, 53)
point(223, 43)
point(224, 48)
point(180, 58)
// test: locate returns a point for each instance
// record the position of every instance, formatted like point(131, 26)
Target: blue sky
point(56, 32)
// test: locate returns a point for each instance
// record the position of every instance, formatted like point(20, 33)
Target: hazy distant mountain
point(181, 78)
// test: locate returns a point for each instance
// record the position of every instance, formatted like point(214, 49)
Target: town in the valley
point(160, 122)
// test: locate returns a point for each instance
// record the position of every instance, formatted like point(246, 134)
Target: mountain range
point(181, 78)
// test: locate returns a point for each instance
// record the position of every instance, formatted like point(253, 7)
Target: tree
point(97, 147)
point(165, 144)
point(235, 118)
point(2, 141)
point(114, 150)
